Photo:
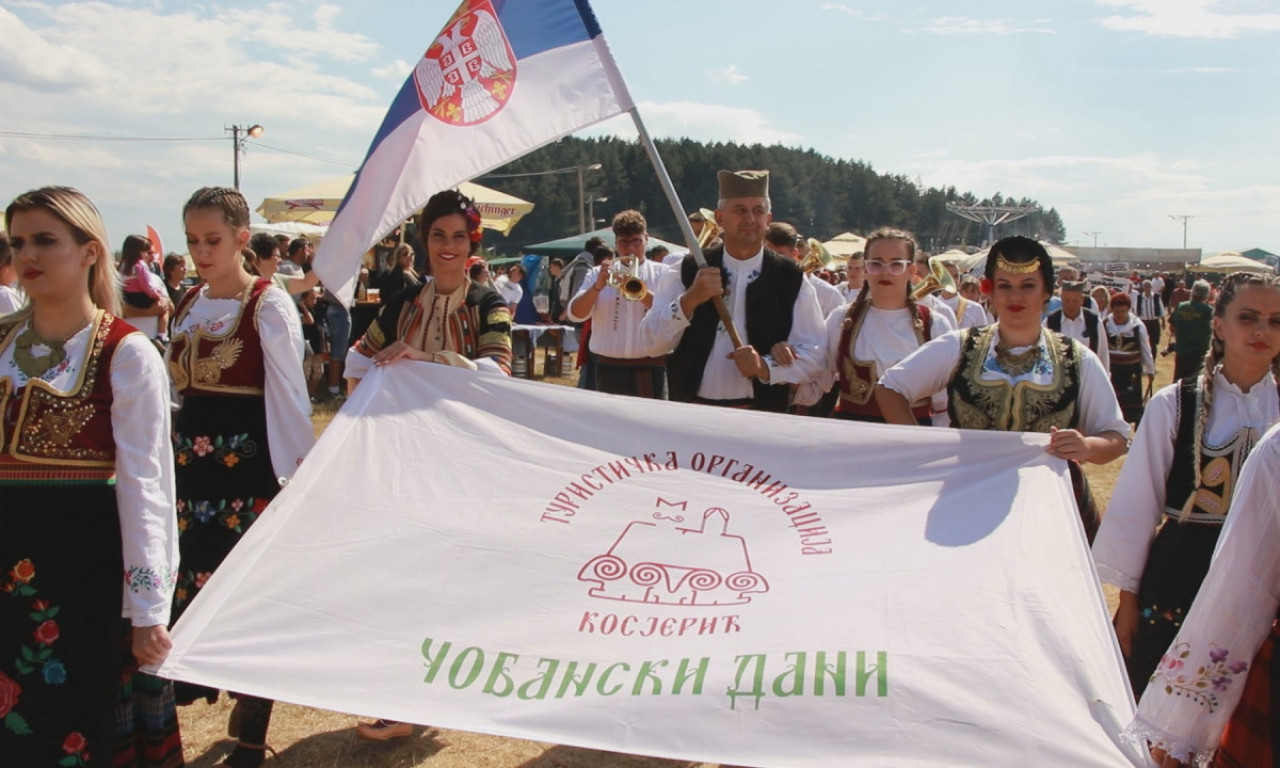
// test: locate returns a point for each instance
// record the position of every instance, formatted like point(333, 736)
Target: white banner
point(516, 558)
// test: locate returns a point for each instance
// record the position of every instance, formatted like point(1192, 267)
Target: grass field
point(308, 738)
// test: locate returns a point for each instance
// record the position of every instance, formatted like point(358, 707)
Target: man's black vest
point(771, 298)
point(1091, 334)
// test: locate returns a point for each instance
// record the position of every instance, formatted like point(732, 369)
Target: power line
point(91, 137)
point(302, 154)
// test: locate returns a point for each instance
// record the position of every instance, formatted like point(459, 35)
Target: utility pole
point(582, 197)
point(237, 146)
point(1094, 235)
point(1183, 217)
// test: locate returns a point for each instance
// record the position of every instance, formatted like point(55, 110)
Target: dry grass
point(310, 738)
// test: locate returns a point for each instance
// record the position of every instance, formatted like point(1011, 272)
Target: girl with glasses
point(879, 328)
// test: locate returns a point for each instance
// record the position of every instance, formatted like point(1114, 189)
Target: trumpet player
point(615, 295)
point(782, 238)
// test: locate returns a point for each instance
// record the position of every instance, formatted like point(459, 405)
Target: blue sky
point(1119, 113)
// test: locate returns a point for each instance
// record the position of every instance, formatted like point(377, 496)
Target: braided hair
point(901, 235)
point(1227, 292)
point(230, 202)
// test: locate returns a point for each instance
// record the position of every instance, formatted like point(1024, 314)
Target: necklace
point(1016, 364)
point(35, 367)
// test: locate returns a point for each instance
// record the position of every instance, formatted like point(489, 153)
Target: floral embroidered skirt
point(1176, 566)
point(224, 480)
point(61, 635)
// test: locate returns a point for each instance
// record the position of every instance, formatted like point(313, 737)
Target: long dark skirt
point(1176, 566)
point(61, 634)
point(1126, 380)
point(224, 480)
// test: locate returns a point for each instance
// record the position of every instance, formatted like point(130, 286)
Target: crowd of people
point(101, 476)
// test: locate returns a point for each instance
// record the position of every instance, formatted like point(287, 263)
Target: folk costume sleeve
point(1138, 500)
point(927, 370)
point(808, 337)
point(144, 480)
point(493, 350)
point(587, 283)
point(1099, 410)
point(1200, 680)
point(665, 321)
point(289, 429)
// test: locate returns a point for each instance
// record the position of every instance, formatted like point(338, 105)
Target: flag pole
point(685, 228)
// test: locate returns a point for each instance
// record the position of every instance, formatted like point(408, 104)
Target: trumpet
point(939, 277)
point(624, 277)
point(816, 258)
point(710, 229)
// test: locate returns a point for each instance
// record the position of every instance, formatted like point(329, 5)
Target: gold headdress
point(1017, 267)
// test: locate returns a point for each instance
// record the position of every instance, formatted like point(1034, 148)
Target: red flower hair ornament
point(984, 285)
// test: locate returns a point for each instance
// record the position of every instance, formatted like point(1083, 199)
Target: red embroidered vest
point(858, 377)
point(201, 363)
point(51, 437)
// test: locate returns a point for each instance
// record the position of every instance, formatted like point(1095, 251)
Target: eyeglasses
point(896, 267)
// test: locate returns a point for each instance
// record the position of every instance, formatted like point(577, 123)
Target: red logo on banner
point(701, 564)
point(467, 75)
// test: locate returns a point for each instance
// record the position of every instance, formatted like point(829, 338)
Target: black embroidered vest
point(974, 403)
point(771, 299)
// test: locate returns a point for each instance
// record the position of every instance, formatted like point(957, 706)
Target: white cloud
point(187, 63)
point(1199, 71)
point(28, 58)
point(1128, 198)
point(855, 13)
point(1185, 18)
point(397, 70)
point(697, 121)
point(963, 25)
point(728, 74)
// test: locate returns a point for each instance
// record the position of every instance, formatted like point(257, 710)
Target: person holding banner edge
point(1015, 375)
point(448, 319)
point(767, 296)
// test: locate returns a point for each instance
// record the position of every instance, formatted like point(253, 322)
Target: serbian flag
point(502, 78)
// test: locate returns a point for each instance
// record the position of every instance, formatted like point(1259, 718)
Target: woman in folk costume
point(448, 319)
point(1180, 474)
point(880, 327)
point(1218, 672)
point(1017, 376)
point(86, 497)
point(244, 424)
point(1131, 360)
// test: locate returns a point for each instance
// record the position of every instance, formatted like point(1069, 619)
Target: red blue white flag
point(502, 78)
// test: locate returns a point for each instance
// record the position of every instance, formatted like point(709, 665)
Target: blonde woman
point(86, 494)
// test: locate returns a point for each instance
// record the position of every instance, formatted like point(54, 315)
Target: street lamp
point(1184, 218)
point(239, 135)
point(582, 207)
point(591, 209)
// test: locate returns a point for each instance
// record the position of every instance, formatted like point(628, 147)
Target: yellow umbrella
point(317, 203)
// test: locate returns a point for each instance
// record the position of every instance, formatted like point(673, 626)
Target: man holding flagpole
point(767, 296)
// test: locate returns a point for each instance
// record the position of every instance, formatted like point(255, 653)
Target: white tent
point(844, 245)
point(313, 232)
point(1230, 261)
point(1060, 257)
point(317, 203)
point(953, 256)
